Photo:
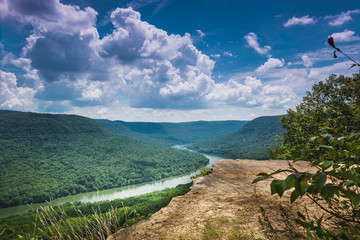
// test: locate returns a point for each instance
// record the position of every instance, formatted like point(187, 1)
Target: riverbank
point(87, 220)
point(111, 194)
point(225, 204)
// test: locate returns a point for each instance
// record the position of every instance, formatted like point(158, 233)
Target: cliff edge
point(222, 205)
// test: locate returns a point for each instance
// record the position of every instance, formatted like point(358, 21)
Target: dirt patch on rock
point(224, 205)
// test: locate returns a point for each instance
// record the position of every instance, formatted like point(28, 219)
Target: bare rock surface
point(225, 202)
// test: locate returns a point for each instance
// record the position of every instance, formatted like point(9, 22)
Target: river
point(111, 194)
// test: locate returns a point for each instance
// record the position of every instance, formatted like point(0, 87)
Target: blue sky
point(170, 60)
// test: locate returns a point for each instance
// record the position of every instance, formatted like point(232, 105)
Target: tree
point(325, 131)
point(333, 107)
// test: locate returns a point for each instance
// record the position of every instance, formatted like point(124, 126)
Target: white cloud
point(252, 41)
point(201, 33)
point(138, 63)
point(305, 20)
point(345, 36)
point(306, 61)
point(269, 64)
point(49, 15)
point(228, 54)
point(164, 68)
point(251, 92)
point(313, 74)
point(300, 79)
point(137, 60)
point(14, 97)
point(340, 19)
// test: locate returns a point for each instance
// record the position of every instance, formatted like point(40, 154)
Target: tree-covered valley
point(53, 155)
point(46, 156)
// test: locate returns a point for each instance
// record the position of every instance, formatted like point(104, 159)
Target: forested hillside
point(248, 142)
point(44, 156)
point(178, 133)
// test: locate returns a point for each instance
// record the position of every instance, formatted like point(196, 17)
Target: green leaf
point(326, 135)
point(318, 222)
point(280, 187)
point(316, 163)
point(326, 164)
point(327, 192)
point(262, 174)
point(347, 175)
point(301, 184)
point(340, 138)
point(301, 216)
point(316, 138)
point(290, 181)
point(325, 146)
point(357, 200)
point(321, 182)
point(294, 195)
point(273, 188)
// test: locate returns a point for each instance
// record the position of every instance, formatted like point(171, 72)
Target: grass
point(223, 228)
point(211, 231)
point(53, 223)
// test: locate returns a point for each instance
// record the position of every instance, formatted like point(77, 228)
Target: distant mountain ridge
point(249, 142)
point(173, 133)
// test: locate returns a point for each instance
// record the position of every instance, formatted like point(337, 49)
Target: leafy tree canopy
point(333, 107)
point(325, 130)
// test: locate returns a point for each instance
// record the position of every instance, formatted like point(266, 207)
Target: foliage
point(333, 107)
point(325, 131)
point(249, 141)
point(203, 172)
point(58, 155)
point(87, 220)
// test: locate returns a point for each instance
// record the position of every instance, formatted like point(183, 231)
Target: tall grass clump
point(54, 223)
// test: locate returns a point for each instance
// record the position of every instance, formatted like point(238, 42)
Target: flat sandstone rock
point(225, 203)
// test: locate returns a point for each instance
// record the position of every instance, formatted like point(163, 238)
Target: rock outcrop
point(225, 204)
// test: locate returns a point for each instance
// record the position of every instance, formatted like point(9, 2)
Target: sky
point(171, 60)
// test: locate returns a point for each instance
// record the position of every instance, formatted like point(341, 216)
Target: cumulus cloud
point(136, 63)
point(305, 20)
point(62, 41)
point(12, 96)
point(137, 60)
point(345, 36)
point(269, 64)
point(251, 92)
point(48, 15)
point(340, 19)
point(164, 68)
point(253, 42)
point(306, 61)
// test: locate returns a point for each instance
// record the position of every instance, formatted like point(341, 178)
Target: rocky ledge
point(222, 205)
